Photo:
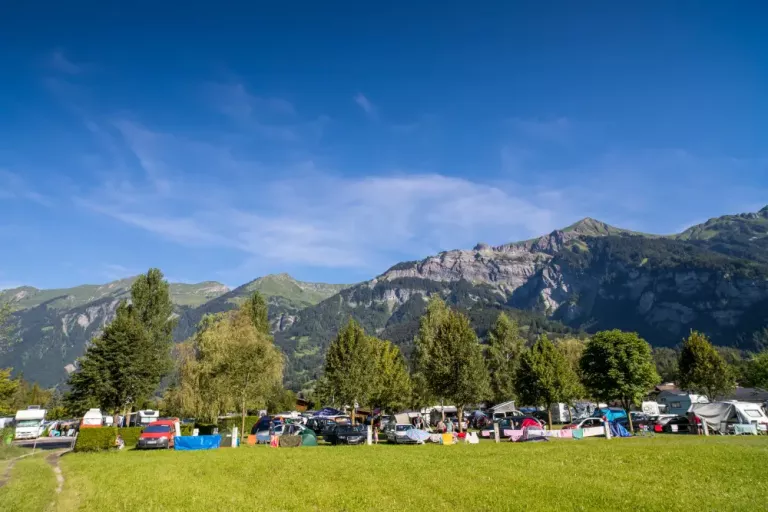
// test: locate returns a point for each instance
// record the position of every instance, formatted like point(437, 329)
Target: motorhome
point(144, 418)
point(30, 422)
point(92, 419)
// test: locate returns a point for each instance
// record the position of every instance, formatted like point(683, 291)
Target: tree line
point(232, 364)
point(451, 366)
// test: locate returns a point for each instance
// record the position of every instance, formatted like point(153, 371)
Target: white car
point(585, 423)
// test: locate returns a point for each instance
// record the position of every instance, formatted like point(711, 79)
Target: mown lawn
point(31, 487)
point(662, 473)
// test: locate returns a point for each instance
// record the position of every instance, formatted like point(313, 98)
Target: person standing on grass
point(375, 434)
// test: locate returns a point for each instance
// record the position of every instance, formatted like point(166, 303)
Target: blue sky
point(331, 140)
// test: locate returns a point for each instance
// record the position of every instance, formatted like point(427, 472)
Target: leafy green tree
point(430, 373)
point(665, 360)
point(618, 365)
point(228, 364)
point(505, 345)
point(544, 377)
point(757, 370)
point(703, 369)
point(736, 362)
point(151, 300)
point(281, 399)
point(118, 369)
point(8, 387)
point(455, 369)
point(348, 376)
point(572, 350)
point(253, 364)
point(392, 383)
point(258, 310)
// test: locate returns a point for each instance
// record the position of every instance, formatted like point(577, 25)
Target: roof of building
point(756, 395)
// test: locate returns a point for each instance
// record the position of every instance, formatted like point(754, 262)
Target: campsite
point(720, 473)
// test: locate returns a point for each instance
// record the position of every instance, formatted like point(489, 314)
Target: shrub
point(95, 439)
point(130, 435)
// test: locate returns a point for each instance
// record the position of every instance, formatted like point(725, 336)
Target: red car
point(158, 434)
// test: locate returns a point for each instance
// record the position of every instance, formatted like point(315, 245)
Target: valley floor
point(661, 473)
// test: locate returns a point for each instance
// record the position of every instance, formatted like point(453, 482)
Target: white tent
point(719, 415)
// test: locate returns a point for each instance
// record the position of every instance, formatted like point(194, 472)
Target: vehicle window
point(675, 405)
point(27, 423)
point(402, 428)
point(157, 429)
point(753, 413)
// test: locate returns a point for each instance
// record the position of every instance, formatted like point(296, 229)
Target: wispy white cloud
point(59, 62)
point(13, 186)
point(368, 107)
point(306, 216)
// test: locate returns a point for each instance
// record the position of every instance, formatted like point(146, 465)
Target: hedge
point(130, 435)
point(95, 439)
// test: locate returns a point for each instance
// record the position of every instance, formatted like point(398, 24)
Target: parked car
point(347, 434)
point(512, 423)
point(156, 435)
point(679, 425)
point(661, 420)
point(585, 423)
point(397, 433)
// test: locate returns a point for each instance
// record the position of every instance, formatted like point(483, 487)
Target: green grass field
point(662, 473)
point(31, 487)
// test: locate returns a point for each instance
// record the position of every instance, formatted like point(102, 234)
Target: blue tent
point(610, 413)
point(618, 430)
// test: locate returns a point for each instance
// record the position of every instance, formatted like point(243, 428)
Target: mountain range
point(588, 276)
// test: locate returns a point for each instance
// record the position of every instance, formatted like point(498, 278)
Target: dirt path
point(53, 460)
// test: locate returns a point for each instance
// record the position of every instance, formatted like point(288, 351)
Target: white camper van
point(30, 423)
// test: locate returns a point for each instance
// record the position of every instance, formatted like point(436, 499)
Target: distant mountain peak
point(593, 227)
point(764, 211)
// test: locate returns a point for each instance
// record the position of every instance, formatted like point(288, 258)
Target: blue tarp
point(417, 435)
point(618, 430)
point(610, 413)
point(197, 442)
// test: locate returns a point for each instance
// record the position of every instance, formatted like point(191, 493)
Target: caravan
point(731, 417)
point(30, 423)
point(562, 413)
point(144, 418)
point(92, 419)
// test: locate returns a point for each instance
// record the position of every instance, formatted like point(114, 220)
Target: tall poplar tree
point(349, 367)
point(505, 346)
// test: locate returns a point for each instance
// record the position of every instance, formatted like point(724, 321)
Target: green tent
point(308, 438)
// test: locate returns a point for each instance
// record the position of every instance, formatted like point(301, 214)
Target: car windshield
point(403, 428)
point(28, 423)
point(157, 429)
point(350, 429)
